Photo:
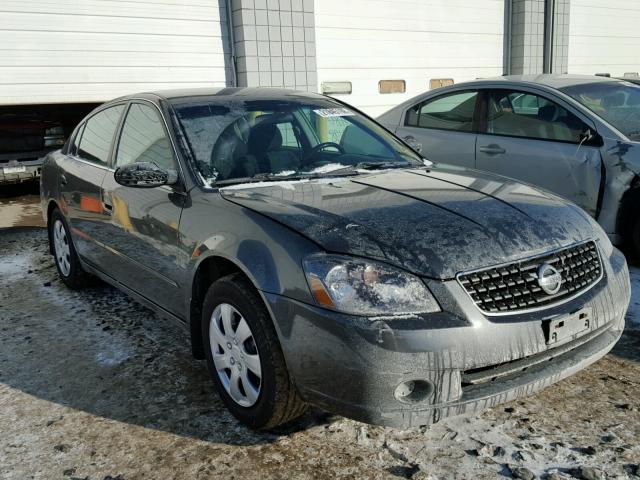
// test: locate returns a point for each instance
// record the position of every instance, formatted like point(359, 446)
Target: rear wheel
point(635, 238)
point(64, 253)
point(244, 357)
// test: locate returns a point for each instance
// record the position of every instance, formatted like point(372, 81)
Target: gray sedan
point(574, 135)
point(316, 259)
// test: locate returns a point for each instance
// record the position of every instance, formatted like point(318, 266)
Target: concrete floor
point(95, 386)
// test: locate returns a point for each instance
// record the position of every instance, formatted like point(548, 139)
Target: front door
point(143, 224)
point(533, 139)
point(443, 127)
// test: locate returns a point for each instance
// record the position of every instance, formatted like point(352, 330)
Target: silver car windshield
point(618, 103)
point(274, 140)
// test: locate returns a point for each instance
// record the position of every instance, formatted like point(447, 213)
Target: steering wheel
point(318, 148)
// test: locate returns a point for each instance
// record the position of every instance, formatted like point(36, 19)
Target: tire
point(635, 238)
point(260, 402)
point(66, 259)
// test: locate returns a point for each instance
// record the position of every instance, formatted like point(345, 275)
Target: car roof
point(551, 80)
point(228, 93)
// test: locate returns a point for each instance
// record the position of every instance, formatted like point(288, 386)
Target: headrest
point(263, 138)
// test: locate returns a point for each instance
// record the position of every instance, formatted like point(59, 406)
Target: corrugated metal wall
point(364, 41)
point(604, 37)
point(93, 50)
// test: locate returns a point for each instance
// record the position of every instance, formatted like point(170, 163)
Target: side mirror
point(144, 175)
point(591, 138)
point(413, 143)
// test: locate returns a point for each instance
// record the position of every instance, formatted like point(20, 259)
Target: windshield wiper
point(373, 166)
point(272, 177)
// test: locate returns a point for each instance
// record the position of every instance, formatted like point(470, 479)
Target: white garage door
point(365, 41)
point(54, 51)
point(604, 37)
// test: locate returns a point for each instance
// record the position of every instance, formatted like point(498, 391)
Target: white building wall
point(604, 37)
point(365, 41)
point(93, 50)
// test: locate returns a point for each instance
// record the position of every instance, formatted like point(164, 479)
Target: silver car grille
point(515, 287)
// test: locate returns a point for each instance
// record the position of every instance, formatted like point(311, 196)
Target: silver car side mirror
point(413, 143)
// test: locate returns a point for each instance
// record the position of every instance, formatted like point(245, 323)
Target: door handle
point(63, 179)
point(492, 149)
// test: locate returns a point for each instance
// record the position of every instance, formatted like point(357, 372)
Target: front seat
point(264, 147)
point(263, 138)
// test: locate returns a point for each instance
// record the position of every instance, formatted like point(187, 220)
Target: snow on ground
point(93, 385)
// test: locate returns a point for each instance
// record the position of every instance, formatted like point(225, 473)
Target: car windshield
point(233, 141)
point(617, 102)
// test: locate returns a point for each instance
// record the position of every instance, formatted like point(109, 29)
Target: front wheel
point(244, 357)
point(64, 253)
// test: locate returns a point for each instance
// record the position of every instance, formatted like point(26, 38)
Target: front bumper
point(352, 365)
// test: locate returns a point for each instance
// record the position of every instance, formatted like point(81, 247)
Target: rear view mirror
point(144, 175)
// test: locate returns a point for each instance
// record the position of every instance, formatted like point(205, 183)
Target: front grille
point(514, 287)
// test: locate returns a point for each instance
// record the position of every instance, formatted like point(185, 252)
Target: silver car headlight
point(365, 287)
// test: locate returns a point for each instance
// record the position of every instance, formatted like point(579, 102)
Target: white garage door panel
point(365, 41)
point(604, 37)
point(94, 50)
point(90, 23)
point(82, 92)
point(117, 8)
point(72, 58)
point(45, 41)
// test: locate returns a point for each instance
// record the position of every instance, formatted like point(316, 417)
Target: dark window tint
point(143, 138)
point(449, 112)
point(520, 114)
point(98, 135)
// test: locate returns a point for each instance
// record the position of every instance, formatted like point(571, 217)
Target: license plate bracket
point(564, 328)
point(9, 170)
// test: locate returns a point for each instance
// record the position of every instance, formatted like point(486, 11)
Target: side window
point(448, 112)
point(520, 114)
point(98, 134)
point(144, 139)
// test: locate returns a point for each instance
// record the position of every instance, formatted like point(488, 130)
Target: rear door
point(531, 138)
point(444, 127)
point(143, 222)
point(81, 173)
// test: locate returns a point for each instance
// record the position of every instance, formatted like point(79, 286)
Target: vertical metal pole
point(506, 48)
point(232, 46)
point(549, 10)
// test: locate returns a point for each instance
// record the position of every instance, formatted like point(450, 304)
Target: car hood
point(435, 222)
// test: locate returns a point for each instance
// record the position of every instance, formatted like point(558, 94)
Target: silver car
point(574, 135)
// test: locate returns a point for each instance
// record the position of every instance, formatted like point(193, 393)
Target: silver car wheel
point(61, 248)
point(235, 355)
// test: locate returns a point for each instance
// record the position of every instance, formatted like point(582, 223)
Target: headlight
point(364, 287)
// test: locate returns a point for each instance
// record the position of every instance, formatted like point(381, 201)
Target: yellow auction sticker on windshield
point(334, 112)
